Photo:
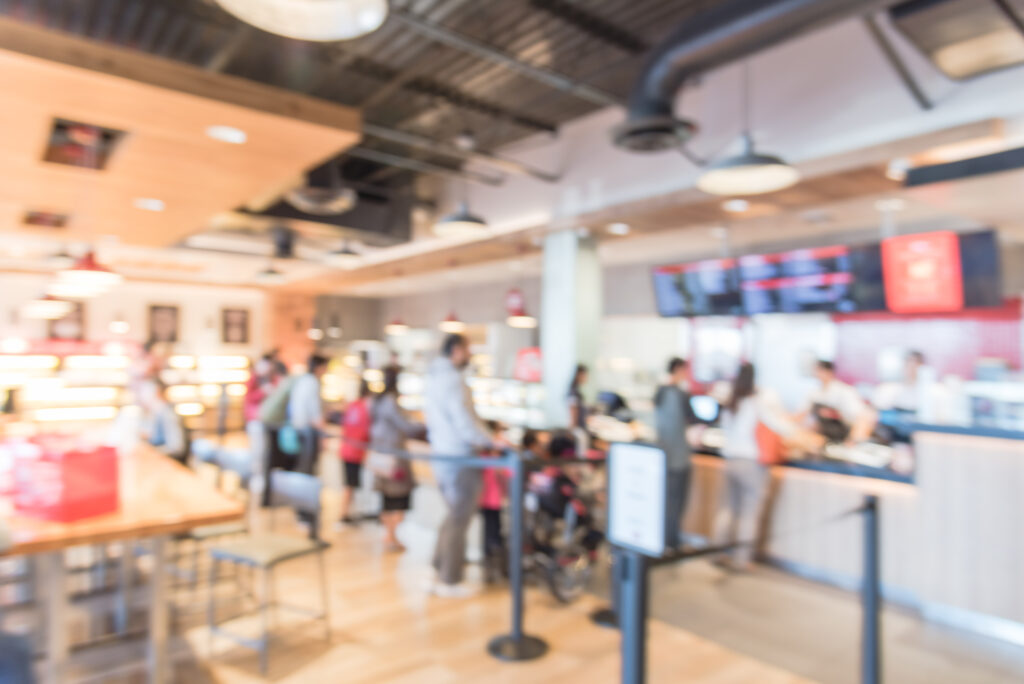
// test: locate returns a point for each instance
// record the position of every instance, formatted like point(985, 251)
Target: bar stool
point(264, 552)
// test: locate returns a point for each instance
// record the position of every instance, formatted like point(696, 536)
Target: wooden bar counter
point(951, 542)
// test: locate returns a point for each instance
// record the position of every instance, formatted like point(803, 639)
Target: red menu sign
point(923, 273)
point(528, 366)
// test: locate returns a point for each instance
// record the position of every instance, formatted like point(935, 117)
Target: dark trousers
point(675, 504)
point(273, 457)
point(494, 540)
point(15, 660)
point(309, 450)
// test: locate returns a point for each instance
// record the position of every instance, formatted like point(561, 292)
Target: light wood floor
point(386, 628)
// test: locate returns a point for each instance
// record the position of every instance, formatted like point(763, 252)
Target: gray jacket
point(388, 432)
point(453, 427)
point(671, 414)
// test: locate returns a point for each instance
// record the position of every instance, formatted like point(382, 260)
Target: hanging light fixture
point(452, 324)
point(515, 304)
point(90, 275)
point(344, 257)
point(319, 20)
point(396, 327)
point(46, 308)
point(460, 223)
point(270, 275)
point(749, 172)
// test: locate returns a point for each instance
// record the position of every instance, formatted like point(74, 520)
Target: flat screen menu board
point(919, 273)
point(941, 272)
point(702, 288)
point(817, 279)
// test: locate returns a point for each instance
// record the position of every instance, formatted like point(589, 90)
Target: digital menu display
point(941, 271)
point(918, 273)
point(702, 288)
point(817, 279)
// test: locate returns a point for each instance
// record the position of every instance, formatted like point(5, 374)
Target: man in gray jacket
point(672, 415)
point(454, 430)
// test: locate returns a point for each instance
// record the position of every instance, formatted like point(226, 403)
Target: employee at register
point(837, 411)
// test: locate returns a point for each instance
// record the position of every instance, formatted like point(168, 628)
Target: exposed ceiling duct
point(725, 33)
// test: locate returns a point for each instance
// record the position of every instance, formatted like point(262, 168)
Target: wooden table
point(159, 498)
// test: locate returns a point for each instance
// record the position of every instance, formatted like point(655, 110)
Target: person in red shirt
point(355, 440)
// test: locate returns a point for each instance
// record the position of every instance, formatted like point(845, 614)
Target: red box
point(61, 480)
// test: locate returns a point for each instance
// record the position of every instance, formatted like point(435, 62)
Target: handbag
point(288, 440)
point(771, 450)
point(382, 465)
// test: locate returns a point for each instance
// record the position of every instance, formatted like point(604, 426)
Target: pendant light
point(46, 307)
point(396, 328)
point(319, 20)
point(515, 304)
point(90, 275)
point(749, 172)
point(452, 324)
point(270, 275)
point(344, 257)
point(460, 223)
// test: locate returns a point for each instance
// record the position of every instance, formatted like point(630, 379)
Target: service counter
point(951, 542)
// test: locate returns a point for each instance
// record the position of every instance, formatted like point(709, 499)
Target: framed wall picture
point(163, 323)
point(70, 327)
point(234, 326)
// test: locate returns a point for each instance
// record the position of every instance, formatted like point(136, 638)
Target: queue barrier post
point(516, 646)
point(632, 615)
point(608, 616)
point(871, 597)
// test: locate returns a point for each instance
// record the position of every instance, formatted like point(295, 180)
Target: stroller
point(562, 535)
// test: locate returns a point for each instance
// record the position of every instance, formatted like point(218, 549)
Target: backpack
point(274, 409)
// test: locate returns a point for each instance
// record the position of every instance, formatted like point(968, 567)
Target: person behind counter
point(672, 416)
point(577, 406)
point(840, 415)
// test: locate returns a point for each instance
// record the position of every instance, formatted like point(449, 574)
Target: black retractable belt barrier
point(516, 645)
point(630, 597)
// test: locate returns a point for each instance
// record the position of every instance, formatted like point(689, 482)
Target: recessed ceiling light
point(148, 204)
point(228, 134)
point(619, 228)
point(891, 204)
point(735, 206)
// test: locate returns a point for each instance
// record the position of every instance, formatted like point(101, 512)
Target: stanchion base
point(605, 617)
point(507, 647)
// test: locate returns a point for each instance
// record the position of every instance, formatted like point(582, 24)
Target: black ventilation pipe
point(729, 31)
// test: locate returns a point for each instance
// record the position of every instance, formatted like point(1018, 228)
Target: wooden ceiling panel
point(165, 153)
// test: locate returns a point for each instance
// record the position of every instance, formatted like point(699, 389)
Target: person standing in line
point(746, 479)
point(306, 413)
point(354, 441)
point(393, 476)
point(454, 430)
point(672, 416)
point(261, 383)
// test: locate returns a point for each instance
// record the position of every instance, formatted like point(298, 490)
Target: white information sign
point(636, 497)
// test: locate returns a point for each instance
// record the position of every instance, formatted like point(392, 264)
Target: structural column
point(571, 307)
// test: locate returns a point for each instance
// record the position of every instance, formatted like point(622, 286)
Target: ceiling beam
point(66, 49)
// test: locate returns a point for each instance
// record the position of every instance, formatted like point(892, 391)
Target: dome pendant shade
point(89, 275)
point(318, 20)
point(747, 173)
point(460, 223)
point(452, 324)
